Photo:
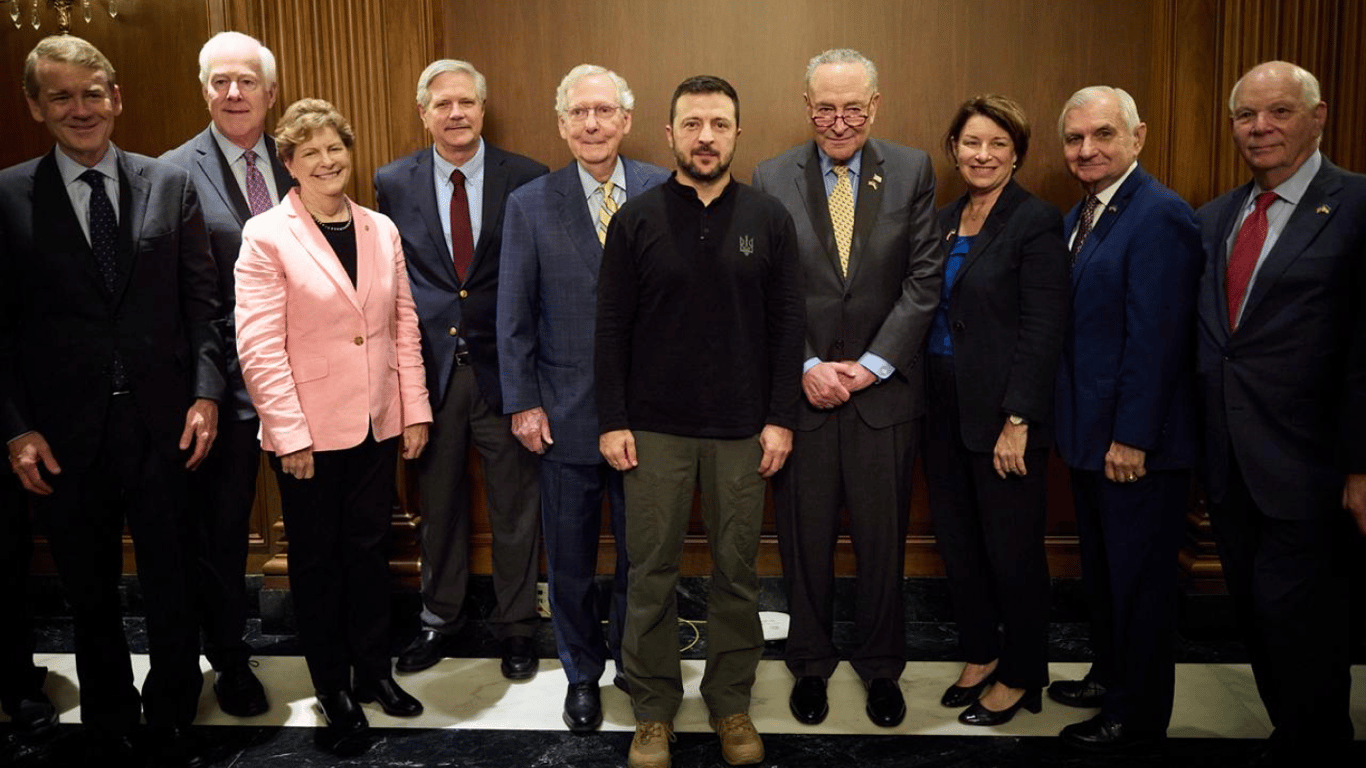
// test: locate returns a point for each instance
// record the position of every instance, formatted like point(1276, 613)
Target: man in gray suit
point(553, 232)
point(864, 210)
point(234, 169)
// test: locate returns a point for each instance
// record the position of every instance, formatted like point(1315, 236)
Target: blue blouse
point(940, 342)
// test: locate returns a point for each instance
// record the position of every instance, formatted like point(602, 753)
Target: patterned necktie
point(462, 233)
point(1243, 258)
point(104, 233)
point(842, 215)
point(1084, 222)
point(258, 195)
point(606, 210)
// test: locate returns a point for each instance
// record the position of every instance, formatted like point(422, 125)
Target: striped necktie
point(606, 211)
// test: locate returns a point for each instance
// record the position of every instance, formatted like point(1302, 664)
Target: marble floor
point(475, 718)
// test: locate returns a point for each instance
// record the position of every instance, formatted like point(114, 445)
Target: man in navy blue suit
point(547, 306)
point(1125, 426)
point(447, 201)
point(1281, 343)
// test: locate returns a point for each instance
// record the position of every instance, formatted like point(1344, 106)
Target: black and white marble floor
point(475, 718)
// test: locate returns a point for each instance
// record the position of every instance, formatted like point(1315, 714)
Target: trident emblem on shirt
point(746, 245)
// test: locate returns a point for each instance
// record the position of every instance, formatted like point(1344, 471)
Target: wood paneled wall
point(1177, 57)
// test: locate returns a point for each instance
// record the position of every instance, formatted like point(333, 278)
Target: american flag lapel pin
point(876, 180)
point(1323, 209)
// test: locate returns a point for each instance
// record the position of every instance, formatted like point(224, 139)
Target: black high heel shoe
point(956, 696)
point(977, 714)
point(347, 731)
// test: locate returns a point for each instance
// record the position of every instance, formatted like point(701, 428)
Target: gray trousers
point(512, 485)
point(659, 493)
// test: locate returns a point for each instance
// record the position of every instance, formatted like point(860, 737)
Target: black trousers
point(1289, 584)
point(84, 517)
point(1130, 534)
point(222, 492)
point(846, 464)
point(17, 674)
point(990, 532)
point(338, 528)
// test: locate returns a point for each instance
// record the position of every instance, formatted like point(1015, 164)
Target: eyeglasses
point(602, 112)
point(244, 84)
point(852, 117)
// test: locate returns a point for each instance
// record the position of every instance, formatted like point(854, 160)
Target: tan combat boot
point(650, 747)
point(740, 743)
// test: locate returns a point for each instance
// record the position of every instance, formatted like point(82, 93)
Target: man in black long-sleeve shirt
point(698, 364)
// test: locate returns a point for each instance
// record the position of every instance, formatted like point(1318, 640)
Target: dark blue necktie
point(104, 233)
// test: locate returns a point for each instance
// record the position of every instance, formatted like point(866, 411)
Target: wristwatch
point(1016, 420)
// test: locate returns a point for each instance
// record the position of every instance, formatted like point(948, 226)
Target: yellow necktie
point(606, 210)
point(842, 215)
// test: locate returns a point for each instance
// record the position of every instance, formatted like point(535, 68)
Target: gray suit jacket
point(547, 305)
point(225, 211)
point(896, 269)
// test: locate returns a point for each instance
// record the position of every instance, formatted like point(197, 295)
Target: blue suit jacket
point(1286, 391)
point(225, 211)
point(547, 305)
point(447, 308)
point(1126, 373)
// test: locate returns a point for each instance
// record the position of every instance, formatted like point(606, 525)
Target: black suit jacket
point(60, 326)
point(225, 211)
point(885, 304)
point(1286, 391)
point(1007, 313)
point(447, 308)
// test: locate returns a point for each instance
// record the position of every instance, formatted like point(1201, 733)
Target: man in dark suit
point(21, 683)
point(447, 201)
point(864, 211)
point(234, 169)
point(1282, 370)
point(1124, 403)
point(547, 295)
point(110, 375)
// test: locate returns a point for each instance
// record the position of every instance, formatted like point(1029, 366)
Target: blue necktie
point(104, 234)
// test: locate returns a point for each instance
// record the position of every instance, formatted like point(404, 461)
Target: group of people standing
point(613, 333)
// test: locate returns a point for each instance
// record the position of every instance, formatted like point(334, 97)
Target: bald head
point(1277, 117)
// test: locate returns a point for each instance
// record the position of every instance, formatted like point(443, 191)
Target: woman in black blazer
point(993, 352)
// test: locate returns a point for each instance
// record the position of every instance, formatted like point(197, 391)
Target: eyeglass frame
point(860, 119)
point(603, 112)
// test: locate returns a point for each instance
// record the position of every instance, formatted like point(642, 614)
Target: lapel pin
point(1112, 209)
point(876, 180)
point(950, 235)
point(1323, 209)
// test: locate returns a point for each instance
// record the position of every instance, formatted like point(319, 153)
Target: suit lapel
point(1218, 248)
point(811, 188)
point(1106, 221)
point(219, 173)
point(996, 222)
point(573, 214)
point(57, 226)
point(495, 190)
point(321, 252)
point(283, 181)
point(134, 192)
point(1305, 223)
point(866, 208)
point(367, 245)
point(423, 199)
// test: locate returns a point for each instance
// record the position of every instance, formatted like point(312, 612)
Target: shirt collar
point(827, 164)
point(1293, 188)
point(590, 184)
point(1105, 195)
point(71, 170)
point(233, 152)
point(473, 168)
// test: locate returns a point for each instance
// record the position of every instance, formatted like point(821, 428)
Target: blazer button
point(452, 331)
point(464, 294)
point(958, 325)
point(360, 340)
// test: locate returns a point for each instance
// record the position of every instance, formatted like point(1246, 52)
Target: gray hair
point(1309, 85)
point(1128, 110)
point(443, 66)
point(225, 39)
point(65, 49)
point(625, 98)
point(842, 56)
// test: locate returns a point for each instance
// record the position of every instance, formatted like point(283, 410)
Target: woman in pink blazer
point(329, 343)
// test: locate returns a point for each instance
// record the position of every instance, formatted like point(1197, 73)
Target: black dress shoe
point(519, 658)
point(176, 747)
point(583, 707)
point(1085, 693)
point(347, 731)
point(1103, 733)
point(239, 692)
point(32, 712)
point(886, 706)
point(957, 696)
point(392, 699)
point(622, 684)
point(424, 651)
point(978, 714)
point(808, 702)
point(102, 749)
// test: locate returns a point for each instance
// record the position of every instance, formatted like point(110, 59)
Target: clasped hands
point(829, 384)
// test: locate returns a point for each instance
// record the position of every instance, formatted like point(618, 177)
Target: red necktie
point(462, 235)
point(1243, 258)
